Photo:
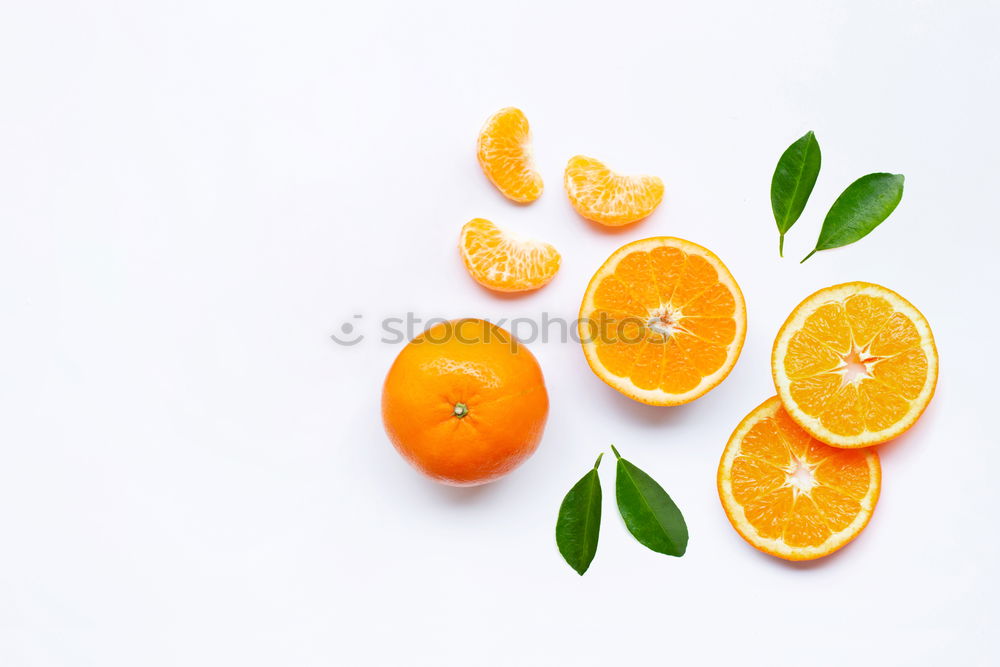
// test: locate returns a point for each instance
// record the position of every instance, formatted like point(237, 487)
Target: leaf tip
point(808, 256)
point(617, 455)
point(598, 462)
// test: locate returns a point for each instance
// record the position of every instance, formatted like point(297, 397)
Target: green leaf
point(793, 182)
point(579, 522)
point(649, 513)
point(859, 209)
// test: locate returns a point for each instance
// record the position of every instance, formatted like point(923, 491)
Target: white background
point(195, 195)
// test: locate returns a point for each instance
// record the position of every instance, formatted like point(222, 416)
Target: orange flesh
point(667, 320)
point(601, 195)
point(799, 498)
point(504, 152)
point(856, 365)
point(500, 261)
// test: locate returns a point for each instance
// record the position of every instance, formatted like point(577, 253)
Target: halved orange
point(504, 150)
point(503, 261)
point(790, 495)
point(662, 321)
point(612, 199)
point(855, 364)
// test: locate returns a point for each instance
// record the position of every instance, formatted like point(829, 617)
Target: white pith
point(665, 320)
point(800, 476)
point(857, 365)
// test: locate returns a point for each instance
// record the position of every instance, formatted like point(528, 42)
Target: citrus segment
point(790, 495)
point(855, 364)
point(662, 321)
point(504, 151)
point(612, 199)
point(504, 262)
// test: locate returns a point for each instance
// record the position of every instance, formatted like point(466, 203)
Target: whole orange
point(465, 402)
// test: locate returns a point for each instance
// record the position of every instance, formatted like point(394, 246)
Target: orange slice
point(855, 364)
point(662, 321)
point(601, 195)
point(504, 262)
point(504, 150)
point(790, 495)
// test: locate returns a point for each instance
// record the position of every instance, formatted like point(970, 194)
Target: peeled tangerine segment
point(855, 364)
point(790, 495)
point(603, 196)
point(504, 151)
point(667, 321)
point(504, 262)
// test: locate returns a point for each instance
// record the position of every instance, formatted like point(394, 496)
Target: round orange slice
point(662, 321)
point(503, 261)
point(855, 364)
point(790, 495)
point(504, 150)
point(601, 195)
